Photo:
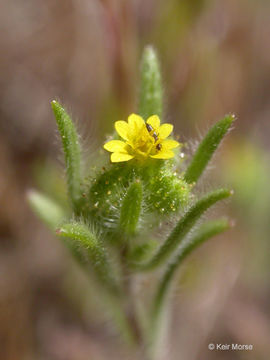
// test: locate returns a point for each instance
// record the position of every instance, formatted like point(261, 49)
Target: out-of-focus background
point(215, 57)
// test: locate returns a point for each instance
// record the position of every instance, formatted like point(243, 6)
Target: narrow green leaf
point(131, 209)
point(184, 225)
point(151, 95)
point(72, 153)
point(205, 232)
point(207, 148)
point(89, 250)
point(45, 208)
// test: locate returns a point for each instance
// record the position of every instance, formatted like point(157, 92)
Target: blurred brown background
point(215, 59)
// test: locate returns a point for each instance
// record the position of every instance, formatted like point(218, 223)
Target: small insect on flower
point(152, 131)
point(154, 134)
point(142, 140)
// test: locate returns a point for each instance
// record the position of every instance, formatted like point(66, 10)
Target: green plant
point(115, 214)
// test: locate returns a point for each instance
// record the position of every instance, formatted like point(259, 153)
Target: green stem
point(130, 299)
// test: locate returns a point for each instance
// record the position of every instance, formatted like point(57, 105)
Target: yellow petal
point(170, 144)
point(115, 145)
point(153, 121)
point(122, 128)
point(163, 154)
point(165, 130)
point(136, 122)
point(119, 157)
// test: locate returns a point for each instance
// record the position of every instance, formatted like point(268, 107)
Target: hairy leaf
point(131, 208)
point(151, 95)
point(89, 250)
point(205, 232)
point(184, 225)
point(72, 153)
point(207, 148)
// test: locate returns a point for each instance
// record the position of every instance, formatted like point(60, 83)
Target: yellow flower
point(141, 139)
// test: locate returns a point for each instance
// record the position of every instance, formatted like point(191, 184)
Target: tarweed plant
point(137, 216)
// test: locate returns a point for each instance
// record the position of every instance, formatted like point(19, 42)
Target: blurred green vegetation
point(215, 60)
point(246, 166)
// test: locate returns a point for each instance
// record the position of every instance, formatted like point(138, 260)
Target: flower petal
point(165, 130)
point(136, 122)
point(153, 121)
point(120, 156)
point(115, 145)
point(122, 128)
point(163, 154)
point(170, 144)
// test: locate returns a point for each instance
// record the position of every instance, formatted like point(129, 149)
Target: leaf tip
point(233, 116)
point(149, 50)
point(56, 107)
point(54, 103)
point(230, 118)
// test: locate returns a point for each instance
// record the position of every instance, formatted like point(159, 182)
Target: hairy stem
point(130, 305)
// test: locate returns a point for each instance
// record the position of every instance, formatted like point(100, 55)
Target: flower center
point(143, 143)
